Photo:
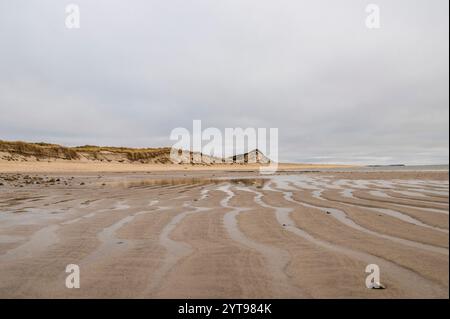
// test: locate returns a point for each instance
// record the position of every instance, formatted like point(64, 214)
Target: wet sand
point(224, 234)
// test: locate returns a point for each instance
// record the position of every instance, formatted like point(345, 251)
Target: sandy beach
point(65, 166)
point(225, 159)
point(203, 233)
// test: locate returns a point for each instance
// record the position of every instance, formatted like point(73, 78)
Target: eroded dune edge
point(224, 234)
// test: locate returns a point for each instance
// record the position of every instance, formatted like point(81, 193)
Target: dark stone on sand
point(377, 285)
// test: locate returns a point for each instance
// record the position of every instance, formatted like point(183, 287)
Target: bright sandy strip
point(78, 166)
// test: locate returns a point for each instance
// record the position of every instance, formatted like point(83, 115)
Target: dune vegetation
point(54, 151)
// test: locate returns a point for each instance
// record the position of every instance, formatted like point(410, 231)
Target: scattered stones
point(19, 180)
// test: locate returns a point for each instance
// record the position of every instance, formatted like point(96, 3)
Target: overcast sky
point(336, 90)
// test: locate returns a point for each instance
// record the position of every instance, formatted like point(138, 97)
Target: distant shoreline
point(66, 166)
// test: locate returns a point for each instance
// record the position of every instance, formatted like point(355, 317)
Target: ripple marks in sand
point(276, 259)
point(386, 198)
point(107, 237)
point(386, 211)
point(342, 217)
point(175, 250)
point(348, 193)
point(41, 240)
point(381, 194)
point(37, 243)
point(414, 283)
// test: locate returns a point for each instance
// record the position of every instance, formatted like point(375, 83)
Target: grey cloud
point(337, 91)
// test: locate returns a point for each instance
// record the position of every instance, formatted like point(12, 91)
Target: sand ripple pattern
point(276, 259)
point(227, 235)
point(410, 278)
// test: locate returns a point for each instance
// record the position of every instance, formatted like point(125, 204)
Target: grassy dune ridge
point(54, 151)
point(19, 156)
point(38, 150)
